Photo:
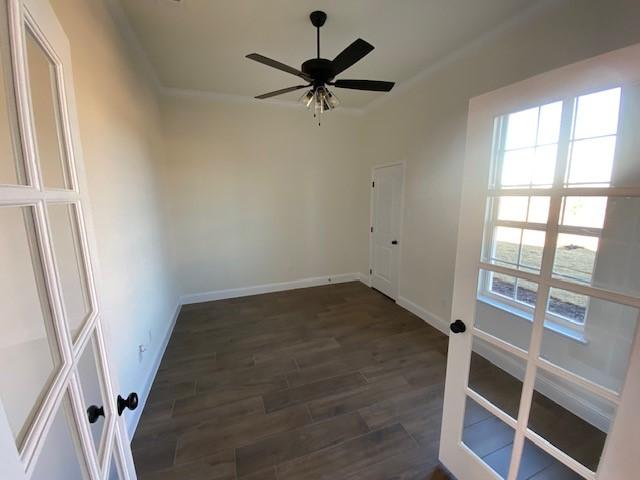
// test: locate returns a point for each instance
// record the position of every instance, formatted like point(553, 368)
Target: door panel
point(547, 279)
point(69, 257)
point(60, 457)
point(29, 346)
point(57, 400)
point(89, 373)
point(45, 103)
point(387, 210)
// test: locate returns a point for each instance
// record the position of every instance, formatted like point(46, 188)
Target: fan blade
point(371, 85)
point(350, 55)
point(280, 66)
point(280, 92)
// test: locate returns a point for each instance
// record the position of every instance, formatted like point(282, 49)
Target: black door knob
point(394, 242)
point(131, 402)
point(94, 412)
point(458, 327)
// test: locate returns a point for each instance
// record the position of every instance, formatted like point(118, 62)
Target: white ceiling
point(201, 44)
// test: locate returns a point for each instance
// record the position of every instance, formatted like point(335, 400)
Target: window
point(548, 161)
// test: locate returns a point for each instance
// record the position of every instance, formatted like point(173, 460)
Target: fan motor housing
point(320, 69)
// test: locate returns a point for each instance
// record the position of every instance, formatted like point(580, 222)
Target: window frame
point(555, 322)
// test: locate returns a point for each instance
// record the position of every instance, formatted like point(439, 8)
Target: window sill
point(549, 324)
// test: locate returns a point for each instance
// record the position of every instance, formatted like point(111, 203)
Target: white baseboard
point(134, 418)
point(434, 320)
point(365, 278)
point(268, 288)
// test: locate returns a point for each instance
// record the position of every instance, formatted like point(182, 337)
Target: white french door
point(385, 227)
point(543, 371)
point(58, 411)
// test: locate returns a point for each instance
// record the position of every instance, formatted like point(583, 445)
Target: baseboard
point(434, 320)
point(268, 288)
point(365, 278)
point(134, 418)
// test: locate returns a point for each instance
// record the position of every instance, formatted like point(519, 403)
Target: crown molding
point(131, 39)
point(523, 17)
point(533, 11)
point(231, 98)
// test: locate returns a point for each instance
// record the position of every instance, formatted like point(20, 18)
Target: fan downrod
point(318, 18)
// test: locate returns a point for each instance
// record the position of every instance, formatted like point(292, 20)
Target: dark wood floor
point(333, 382)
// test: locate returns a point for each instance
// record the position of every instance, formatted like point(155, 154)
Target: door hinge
point(373, 184)
point(371, 229)
point(370, 271)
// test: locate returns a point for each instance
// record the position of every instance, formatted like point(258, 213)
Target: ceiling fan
point(321, 72)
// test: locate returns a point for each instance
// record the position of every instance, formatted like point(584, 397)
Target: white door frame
point(39, 16)
point(620, 459)
point(401, 225)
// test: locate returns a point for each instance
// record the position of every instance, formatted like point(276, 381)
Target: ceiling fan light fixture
point(319, 72)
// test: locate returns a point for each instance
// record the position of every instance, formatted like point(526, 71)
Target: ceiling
point(201, 44)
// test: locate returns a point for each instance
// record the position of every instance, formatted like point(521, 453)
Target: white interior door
point(385, 228)
point(58, 412)
point(544, 381)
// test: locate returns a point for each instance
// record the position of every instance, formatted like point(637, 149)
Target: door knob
point(131, 402)
point(394, 242)
point(458, 326)
point(94, 412)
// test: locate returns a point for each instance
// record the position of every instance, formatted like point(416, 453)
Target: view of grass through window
point(527, 160)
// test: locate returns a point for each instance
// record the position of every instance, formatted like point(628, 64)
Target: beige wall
point(425, 126)
point(191, 195)
point(261, 194)
point(122, 145)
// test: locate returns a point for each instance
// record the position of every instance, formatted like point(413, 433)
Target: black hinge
point(373, 184)
point(371, 229)
point(370, 271)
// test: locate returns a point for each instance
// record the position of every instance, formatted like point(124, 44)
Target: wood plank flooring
point(333, 382)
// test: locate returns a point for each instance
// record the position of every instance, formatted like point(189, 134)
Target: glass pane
point(575, 257)
point(90, 382)
point(59, 459)
point(571, 418)
point(617, 266)
point(591, 162)
point(63, 222)
point(544, 167)
point(522, 128)
point(495, 374)
point(52, 153)
point(607, 258)
point(27, 342)
point(608, 331)
point(549, 126)
point(515, 248)
point(570, 306)
point(597, 114)
point(530, 147)
point(517, 166)
point(11, 160)
point(513, 208)
point(536, 464)
point(586, 212)
point(488, 437)
point(522, 209)
point(114, 470)
point(626, 171)
point(538, 210)
point(594, 139)
point(505, 307)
